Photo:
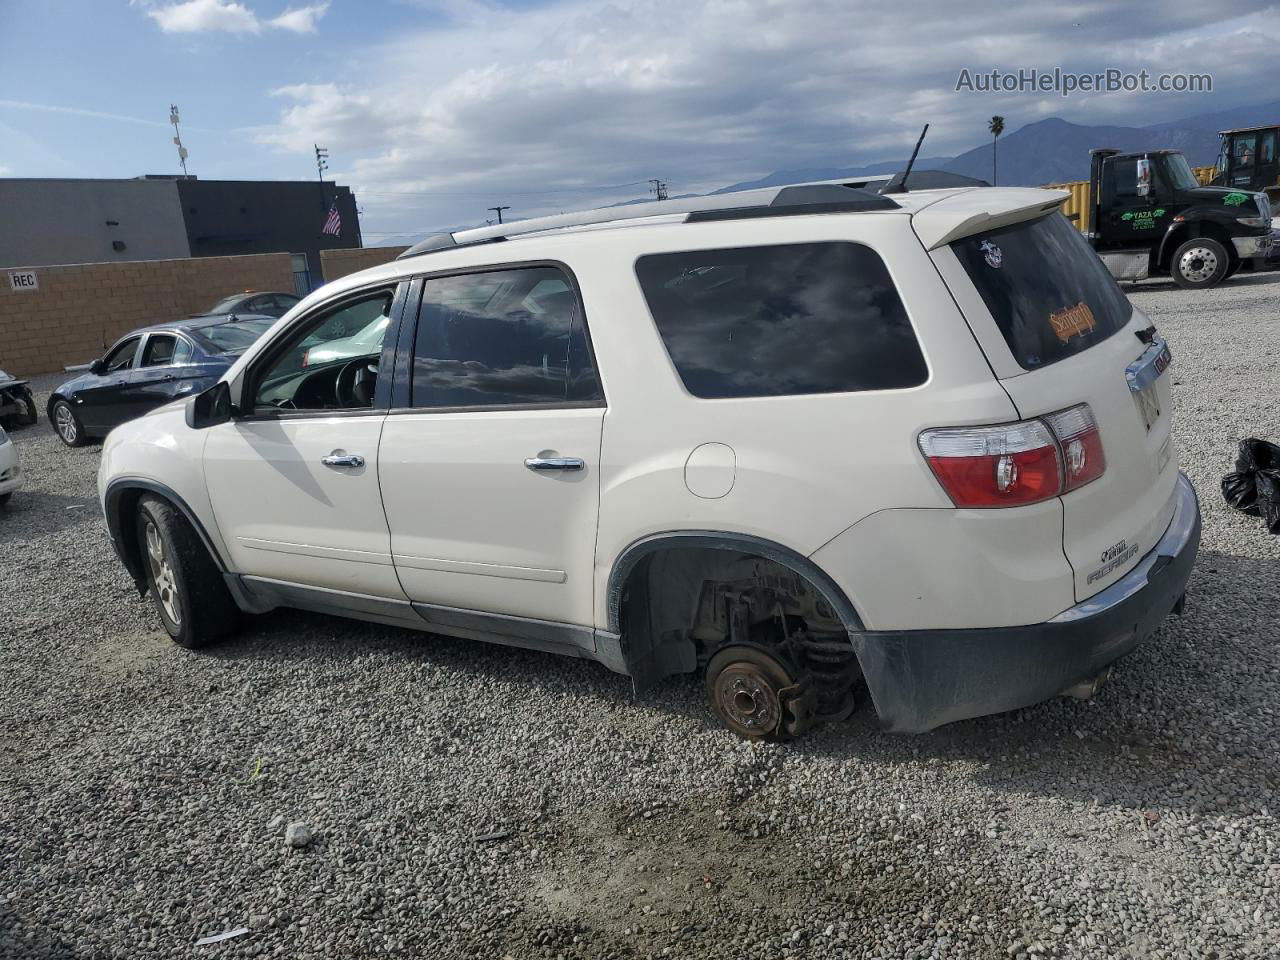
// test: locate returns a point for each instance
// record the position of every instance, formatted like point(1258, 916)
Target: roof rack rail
point(797, 200)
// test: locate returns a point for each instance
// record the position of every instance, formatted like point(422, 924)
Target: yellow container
point(1077, 203)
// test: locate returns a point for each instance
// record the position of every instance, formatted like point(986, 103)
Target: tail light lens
point(1082, 457)
point(1014, 464)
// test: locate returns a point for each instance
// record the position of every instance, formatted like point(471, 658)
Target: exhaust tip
point(1088, 689)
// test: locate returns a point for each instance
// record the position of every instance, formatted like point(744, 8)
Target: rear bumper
point(922, 679)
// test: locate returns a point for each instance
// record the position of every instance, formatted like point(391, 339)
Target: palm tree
point(996, 126)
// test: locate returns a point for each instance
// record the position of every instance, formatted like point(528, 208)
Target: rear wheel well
point(680, 604)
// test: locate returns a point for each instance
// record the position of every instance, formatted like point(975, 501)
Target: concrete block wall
point(79, 309)
point(339, 263)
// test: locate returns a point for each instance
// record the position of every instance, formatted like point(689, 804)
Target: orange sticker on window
point(1072, 321)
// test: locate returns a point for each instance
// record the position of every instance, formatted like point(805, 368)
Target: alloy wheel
point(163, 580)
point(65, 421)
point(1198, 264)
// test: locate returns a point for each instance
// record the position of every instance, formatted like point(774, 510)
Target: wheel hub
point(1198, 264)
point(750, 702)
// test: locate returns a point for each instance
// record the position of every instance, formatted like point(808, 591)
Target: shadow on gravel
point(1190, 702)
point(1239, 280)
point(39, 514)
point(29, 940)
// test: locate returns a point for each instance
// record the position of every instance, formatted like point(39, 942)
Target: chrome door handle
point(554, 463)
point(343, 460)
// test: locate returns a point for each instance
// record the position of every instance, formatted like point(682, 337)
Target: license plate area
point(1142, 374)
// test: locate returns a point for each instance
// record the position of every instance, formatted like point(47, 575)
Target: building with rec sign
point(56, 221)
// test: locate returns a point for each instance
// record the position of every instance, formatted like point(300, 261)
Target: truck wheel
point(186, 586)
point(67, 425)
point(1200, 263)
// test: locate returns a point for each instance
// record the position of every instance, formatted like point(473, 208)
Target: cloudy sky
point(433, 110)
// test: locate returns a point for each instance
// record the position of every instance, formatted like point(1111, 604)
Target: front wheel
point(66, 424)
point(186, 586)
point(1200, 263)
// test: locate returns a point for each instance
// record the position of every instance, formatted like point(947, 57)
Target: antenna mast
point(177, 137)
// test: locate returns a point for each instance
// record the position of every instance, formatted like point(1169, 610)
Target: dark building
point(228, 217)
point(163, 217)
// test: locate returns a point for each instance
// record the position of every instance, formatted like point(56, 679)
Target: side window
point(121, 358)
point(1124, 177)
point(778, 320)
point(182, 352)
point(1267, 148)
point(159, 351)
point(284, 302)
point(502, 337)
point(331, 362)
point(1244, 151)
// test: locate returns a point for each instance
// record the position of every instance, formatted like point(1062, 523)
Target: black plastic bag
point(1254, 487)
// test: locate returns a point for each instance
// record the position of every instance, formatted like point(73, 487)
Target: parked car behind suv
point(260, 303)
point(148, 368)
point(790, 439)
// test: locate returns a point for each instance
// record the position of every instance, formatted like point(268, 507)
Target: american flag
point(333, 222)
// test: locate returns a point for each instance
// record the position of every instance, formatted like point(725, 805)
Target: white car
point(10, 468)
point(792, 439)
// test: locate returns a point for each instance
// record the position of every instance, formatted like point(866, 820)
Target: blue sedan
point(148, 368)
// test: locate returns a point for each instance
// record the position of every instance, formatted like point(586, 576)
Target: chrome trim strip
point(503, 570)
point(314, 550)
point(1185, 512)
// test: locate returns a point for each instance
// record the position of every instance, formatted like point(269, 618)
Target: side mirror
point(1143, 169)
point(210, 408)
point(98, 367)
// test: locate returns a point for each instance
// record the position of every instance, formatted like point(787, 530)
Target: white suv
point(797, 439)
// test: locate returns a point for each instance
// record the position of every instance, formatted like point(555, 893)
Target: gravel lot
point(477, 801)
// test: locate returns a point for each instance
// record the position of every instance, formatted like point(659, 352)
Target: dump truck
point(1149, 215)
point(1248, 161)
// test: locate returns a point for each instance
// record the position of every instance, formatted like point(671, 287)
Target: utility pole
point(498, 211)
point(659, 189)
point(322, 164)
point(177, 137)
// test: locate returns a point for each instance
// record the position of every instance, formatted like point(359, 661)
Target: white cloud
point(228, 16)
point(531, 106)
point(199, 16)
point(301, 20)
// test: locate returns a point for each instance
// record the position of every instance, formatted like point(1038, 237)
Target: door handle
point(336, 459)
point(555, 463)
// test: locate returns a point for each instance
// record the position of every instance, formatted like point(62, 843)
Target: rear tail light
point(1013, 464)
point(1082, 457)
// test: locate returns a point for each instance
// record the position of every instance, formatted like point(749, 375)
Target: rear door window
point(501, 338)
point(782, 320)
point(1047, 290)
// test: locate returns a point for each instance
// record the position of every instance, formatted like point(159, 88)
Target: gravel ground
point(476, 801)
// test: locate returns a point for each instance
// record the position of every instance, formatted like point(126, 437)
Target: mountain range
point(1053, 150)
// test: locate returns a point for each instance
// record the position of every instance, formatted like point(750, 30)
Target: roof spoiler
point(968, 213)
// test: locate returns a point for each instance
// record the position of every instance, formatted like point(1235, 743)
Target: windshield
point(236, 336)
point(1047, 290)
point(1179, 171)
point(225, 304)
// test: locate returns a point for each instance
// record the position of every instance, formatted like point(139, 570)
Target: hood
point(77, 383)
point(1226, 196)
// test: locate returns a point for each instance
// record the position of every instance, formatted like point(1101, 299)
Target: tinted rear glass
point(795, 319)
point(1049, 293)
point(234, 337)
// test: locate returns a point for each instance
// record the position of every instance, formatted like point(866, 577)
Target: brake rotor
point(755, 695)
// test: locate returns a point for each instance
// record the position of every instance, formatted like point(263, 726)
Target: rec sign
point(23, 280)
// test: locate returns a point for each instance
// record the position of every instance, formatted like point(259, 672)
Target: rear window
point(234, 337)
point(1049, 293)
point(777, 320)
